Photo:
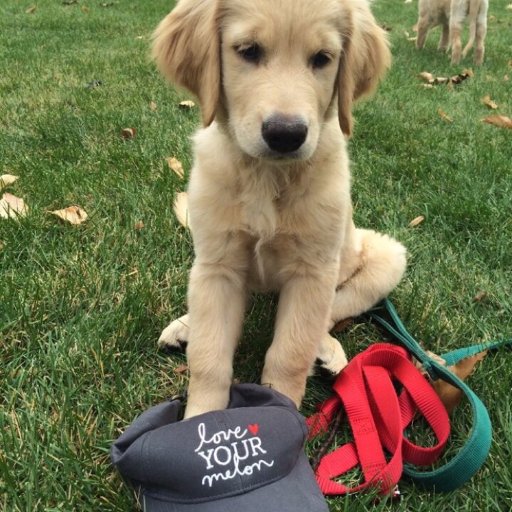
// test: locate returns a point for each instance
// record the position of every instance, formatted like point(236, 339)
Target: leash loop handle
point(377, 418)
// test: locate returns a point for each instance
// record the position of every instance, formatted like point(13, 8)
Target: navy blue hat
point(247, 458)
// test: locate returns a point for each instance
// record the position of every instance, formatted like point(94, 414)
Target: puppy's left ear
point(364, 60)
point(186, 48)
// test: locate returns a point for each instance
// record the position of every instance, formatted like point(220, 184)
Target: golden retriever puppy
point(451, 14)
point(269, 192)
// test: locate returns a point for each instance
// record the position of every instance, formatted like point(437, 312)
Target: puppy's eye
point(320, 60)
point(250, 52)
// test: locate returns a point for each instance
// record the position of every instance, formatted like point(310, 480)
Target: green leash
point(468, 460)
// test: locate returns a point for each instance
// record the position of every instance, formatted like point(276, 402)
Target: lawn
point(81, 307)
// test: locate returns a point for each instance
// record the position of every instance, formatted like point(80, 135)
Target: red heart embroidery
point(253, 428)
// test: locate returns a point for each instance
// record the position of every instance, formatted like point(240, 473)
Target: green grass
point(81, 307)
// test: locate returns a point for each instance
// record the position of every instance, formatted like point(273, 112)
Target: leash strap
point(468, 460)
point(378, 417)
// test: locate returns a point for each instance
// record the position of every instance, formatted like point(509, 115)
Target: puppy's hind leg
point(331, 356)
point(175, 335)
point(381, 265)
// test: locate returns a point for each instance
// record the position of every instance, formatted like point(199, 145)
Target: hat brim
point(296, 491)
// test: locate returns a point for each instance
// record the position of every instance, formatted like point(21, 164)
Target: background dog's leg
point(301, 324)
point(423, 26)
point(481, 31)
point(216, 307)
point(175, 335)
point(445, 36)
point(381, 263)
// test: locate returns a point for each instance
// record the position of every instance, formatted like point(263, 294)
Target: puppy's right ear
point(364, 60)
point(186, 48)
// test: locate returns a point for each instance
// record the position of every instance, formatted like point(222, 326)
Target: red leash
point(378, 417)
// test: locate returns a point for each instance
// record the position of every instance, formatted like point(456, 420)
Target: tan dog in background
point(269, 193)
point(451, 14)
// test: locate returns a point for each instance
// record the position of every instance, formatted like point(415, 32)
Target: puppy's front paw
point(175, 335)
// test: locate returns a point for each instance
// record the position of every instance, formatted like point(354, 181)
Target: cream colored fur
point(265, 221)
point(451, 14)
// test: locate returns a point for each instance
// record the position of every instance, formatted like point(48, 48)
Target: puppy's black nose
point(284, 134)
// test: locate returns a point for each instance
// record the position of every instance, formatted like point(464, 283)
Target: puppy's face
point(280, 61)
point(276, 69)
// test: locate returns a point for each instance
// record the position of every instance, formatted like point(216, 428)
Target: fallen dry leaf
point(416, 221)
point(480, 296)
point(425, 75)
point(430, 79)
point(342, 325)
point(488, 102)
point(181, 369)
point(500, 121)
point(7, 180)
point(181, 208)
point(153, 106)
point(444, 116)
point(72, 214)
point(450, 395)
point(187, 104)
point(175, 165)
point(31, 10)
point(128, 133)
point(12, 207)
point(139, 225)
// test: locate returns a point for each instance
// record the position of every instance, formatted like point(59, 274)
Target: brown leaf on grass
point(431, 80)
point(181, 208)
point(153, 106)
point(181, 369)
point(175, 165)
point(342, 325)
point(12, 207)
point(139, 225)
point(488, 102)
point(128, 133)
point(450, 395)
point(425, 75)
point(500, 121)
point(6, 180)
point(31, 10)
point(480, 296)
point(72, 214)
point(187, 104)
point(416, 221)
point(444, 116)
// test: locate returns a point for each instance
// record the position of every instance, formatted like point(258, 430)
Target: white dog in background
point(269, 193)
point(451, 14)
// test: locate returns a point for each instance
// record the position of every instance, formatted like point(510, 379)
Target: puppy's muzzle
point(284, 134)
